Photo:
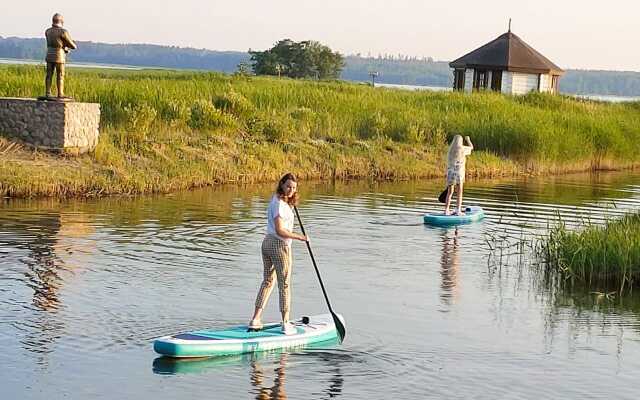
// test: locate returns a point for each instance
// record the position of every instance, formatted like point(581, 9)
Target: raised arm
point(468, 140)
point(68, 42)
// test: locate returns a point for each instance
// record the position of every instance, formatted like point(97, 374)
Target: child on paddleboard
point(456, 160)
point(276, 252)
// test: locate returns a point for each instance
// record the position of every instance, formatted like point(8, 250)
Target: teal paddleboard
point(471, 214)
point(238, 339)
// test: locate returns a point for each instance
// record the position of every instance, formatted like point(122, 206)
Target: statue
point(59, 44)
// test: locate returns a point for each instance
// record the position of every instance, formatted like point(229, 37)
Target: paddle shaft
point(313, 260)
point(338, 322)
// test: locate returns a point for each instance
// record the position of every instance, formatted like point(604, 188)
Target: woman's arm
point(468, 140)
point(284, 233)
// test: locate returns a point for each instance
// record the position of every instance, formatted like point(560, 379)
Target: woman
point(276, 252)
point(457, 157)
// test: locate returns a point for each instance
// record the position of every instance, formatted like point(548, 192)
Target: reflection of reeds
point(505, 246)
point(599, 256)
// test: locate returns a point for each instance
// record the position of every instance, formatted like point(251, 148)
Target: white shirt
point(459, 165)
point(279, 208)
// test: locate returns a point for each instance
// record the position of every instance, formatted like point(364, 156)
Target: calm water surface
point(85, 286)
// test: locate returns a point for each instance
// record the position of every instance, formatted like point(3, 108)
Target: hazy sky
point(572, 33)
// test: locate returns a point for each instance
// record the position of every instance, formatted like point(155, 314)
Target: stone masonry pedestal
point(67, 127)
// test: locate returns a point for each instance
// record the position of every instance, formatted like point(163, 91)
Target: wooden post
point(373, 75)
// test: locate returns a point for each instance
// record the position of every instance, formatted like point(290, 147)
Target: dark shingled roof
point(507, 52)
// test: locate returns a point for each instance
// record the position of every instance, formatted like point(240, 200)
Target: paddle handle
point(313, 260)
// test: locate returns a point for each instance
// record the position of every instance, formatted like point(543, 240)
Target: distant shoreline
point(381, 83)
point(383, 80)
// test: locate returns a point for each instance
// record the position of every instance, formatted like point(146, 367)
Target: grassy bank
point(169, 130)
point(598, 257)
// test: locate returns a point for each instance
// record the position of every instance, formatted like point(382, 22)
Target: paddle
point(443, 196)
point(339, 325)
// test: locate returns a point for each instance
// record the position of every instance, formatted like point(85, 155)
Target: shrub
point(373, 126)
point(234, 103)
point(278, 130)
point(205, 116)
point(175, 111)
point(139, 118)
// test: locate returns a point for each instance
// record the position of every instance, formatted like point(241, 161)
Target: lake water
point(42, 63)
point(597, 97)
point(86, 285)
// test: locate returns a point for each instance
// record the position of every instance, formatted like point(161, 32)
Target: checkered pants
point(276, 256)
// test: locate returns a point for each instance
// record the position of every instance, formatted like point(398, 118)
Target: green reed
point(599, 256)
point(166, 130)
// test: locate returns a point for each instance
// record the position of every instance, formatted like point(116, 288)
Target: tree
point(306, 59)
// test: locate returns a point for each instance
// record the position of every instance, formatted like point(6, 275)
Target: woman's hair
point(293, 200)
point(456, 150)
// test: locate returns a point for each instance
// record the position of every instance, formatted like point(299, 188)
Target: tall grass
point(599, 256)
point(163, 130)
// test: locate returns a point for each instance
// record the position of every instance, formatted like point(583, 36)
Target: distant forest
point(391, 69)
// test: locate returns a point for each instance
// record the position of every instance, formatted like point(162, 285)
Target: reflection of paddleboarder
point(275, 392)
point(449, 266)
point(329, 360)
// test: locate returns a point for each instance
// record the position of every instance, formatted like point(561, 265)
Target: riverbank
point(163, 131)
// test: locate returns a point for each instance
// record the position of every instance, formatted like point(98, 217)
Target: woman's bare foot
point(255, 324)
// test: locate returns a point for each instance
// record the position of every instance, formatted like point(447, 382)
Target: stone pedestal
point(68, 127)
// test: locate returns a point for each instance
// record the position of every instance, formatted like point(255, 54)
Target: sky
point(574, 34)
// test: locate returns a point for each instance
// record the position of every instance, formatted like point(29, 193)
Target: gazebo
point(507, 65)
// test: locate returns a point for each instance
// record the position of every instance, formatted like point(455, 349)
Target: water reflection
point(43, 277)
point(43, 263)
point(277, 390)
point(449, 266)
point(50, 245)
point(267, 370)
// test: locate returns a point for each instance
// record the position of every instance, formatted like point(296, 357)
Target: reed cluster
point(606, 257)
point(165, 130)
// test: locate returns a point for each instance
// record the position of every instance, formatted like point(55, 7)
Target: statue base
point(62, 99)
point(57, 124)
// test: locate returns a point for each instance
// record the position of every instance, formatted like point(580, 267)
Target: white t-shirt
point(459, 165)
point(279, 208)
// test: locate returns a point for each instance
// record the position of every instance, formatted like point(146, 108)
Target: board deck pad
point(241, 332)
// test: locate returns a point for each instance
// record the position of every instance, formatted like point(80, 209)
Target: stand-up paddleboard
point(471, 214)
point(238, 340)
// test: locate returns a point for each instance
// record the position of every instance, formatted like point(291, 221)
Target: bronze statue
point(58, 45)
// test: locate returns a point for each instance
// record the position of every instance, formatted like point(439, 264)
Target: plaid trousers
point(276, 256)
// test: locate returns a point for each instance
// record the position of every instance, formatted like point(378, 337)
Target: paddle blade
point(443, 196)
point(339, 321)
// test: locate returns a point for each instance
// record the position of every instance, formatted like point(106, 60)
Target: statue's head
point(57, 20)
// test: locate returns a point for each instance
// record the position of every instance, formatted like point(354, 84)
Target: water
point(415, 87)
point(85, 286)
point(596, 97)
point(74, 65)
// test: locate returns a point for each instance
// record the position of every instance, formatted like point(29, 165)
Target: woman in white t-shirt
point(276, 252)
point(456, 161)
